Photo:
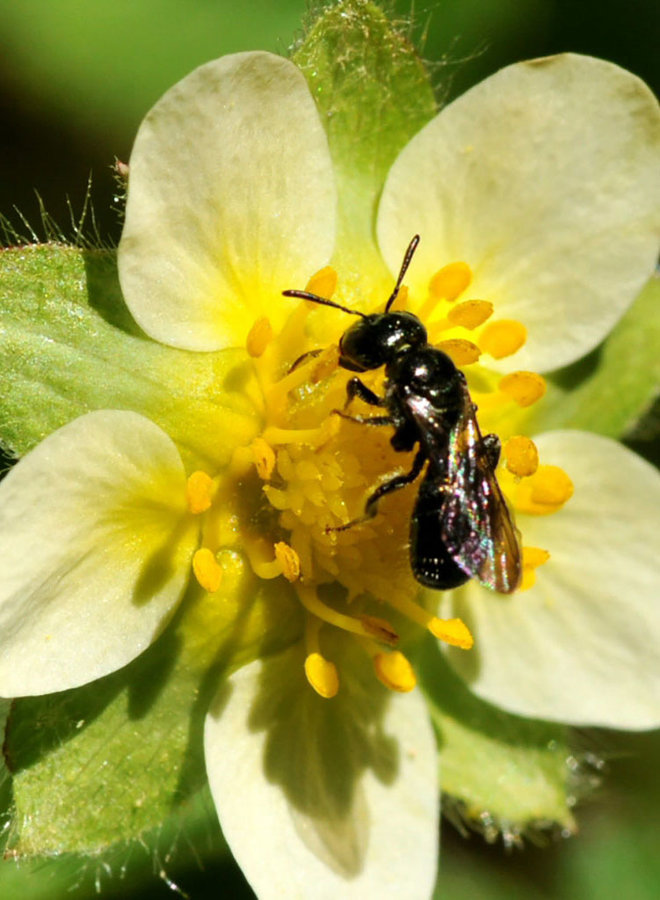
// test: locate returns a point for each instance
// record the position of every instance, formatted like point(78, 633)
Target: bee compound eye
point(365, 345)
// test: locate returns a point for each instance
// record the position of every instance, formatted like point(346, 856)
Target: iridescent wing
point(477, 528)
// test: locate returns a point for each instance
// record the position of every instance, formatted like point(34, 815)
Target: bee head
point(378, 339)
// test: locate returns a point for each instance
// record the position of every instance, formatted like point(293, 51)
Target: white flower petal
point(231, 200)
point(545, 178)
point(324, 798)
point(582, 645)
point(95, 544)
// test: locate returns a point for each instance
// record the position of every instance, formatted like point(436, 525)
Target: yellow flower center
point(310, 471)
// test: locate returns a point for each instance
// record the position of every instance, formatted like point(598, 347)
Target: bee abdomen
point(431, 563)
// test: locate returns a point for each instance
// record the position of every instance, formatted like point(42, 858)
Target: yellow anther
point(552, 486)
point(521, 456)
point(322, 675)
point(450, 281)
point(401, 299)
point(524, 388)
point(323, 283)
point(470, 313)
point(289, 560)
point(544, 492)
point(502, 338)
point(394, 670)
point(528, 579)
point(264, 458)
point(380, 629)
point(533, 557)
point(199, 492)
point(461, 353)
point(451, 631)
point(207, 570)
point(259, 337)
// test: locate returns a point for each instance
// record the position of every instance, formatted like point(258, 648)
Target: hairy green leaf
point(69, 345)
point(503, 774)
point(374, 94)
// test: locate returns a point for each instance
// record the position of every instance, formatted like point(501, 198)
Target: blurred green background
point(76, 77)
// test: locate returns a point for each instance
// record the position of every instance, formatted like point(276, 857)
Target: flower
point(536, 198)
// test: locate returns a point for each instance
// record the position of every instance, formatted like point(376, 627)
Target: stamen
point(259, 337)
point(533, 557)
point(521, 456)
point(264, 458)
point(380, 629)
point(394, 670)
point(322, 675)
point(470, 313)
point(450, 281)
point(311, 436)
point(323, 283)
point(321, 672)
point(207, 570)
point(365, 627)
point(544, 492)
point(461, 352)
point(286, 561)
point(289, 560)
point(451, 631)
point(242, 460)
point(277, 395)
point(525, 388)
point(553, 487)
point(199, 492)
point(326, 364)
point(502, 338)
point(288, 340)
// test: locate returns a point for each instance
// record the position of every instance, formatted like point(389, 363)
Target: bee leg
point(355, 388)
point(365, 420)
point(491, 447)
point(394, 484)
point(303, 359)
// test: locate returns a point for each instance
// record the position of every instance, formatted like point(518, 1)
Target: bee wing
point(478, 530)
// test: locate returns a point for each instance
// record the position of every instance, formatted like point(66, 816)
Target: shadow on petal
point(164, 563)
point(318, 752)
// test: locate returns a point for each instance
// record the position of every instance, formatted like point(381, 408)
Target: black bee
point(461, 527)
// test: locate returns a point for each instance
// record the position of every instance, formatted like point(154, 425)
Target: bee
point(461, 526)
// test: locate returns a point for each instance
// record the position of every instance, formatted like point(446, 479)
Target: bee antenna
point(305, 295)
point(412, 246)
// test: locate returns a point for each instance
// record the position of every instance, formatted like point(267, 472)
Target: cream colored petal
point(95, 543)
point(231, 201)
point(545, 178)
point(324, 798)
point(582, 645)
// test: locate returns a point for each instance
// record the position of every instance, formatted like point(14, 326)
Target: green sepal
point(374, 94)
point(189, 840)
point(68, 345)
point(611, 389)
point(105, 762)
point(110, 761)
point(502, 774)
